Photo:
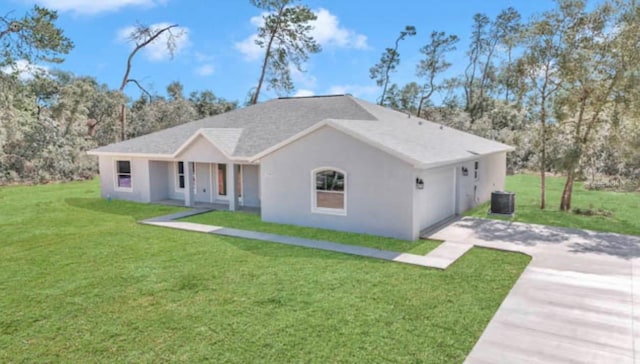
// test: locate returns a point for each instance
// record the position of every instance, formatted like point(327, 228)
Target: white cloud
point(303, 79)
point(249, 48)
point(304, 93)
point(157, 50)
point(326, 31)
point(205, 70)
point(91, 7)
point(355, 90)
point(258, 20)
point(25, 70)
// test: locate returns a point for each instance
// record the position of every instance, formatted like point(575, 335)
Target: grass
point(623, 208)
point(248, 221)
point(81, 281)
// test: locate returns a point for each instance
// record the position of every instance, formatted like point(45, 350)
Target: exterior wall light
point(419, 183)
point(465, 171)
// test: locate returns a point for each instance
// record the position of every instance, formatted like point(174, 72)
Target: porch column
point(188, 183)
point(232, 181)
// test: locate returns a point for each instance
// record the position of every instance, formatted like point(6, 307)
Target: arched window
point(329, 187)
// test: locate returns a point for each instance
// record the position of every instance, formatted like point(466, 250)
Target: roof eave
point(461, 160)
point(168, 157)
point(129, 154)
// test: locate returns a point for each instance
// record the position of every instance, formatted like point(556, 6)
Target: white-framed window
point(476, 167)
point(329, 191)
point(181, 176)
point(123, 180)
point(180, 182)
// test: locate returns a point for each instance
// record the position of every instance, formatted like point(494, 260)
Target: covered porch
point(204, 184)
point(203, 172)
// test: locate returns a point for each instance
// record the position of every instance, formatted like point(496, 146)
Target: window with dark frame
point(180, 174)
point(123, 173)
point(476, 166)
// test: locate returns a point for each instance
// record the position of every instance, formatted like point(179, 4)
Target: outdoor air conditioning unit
point(503, 203)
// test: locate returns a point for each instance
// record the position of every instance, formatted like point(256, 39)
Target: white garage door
point(439, 202)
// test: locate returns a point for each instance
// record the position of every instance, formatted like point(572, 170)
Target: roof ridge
point(310, 97)
point(355, 101)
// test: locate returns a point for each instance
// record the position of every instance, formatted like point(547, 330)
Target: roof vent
point(441, 127)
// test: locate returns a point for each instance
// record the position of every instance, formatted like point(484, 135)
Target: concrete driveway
point(578, 301)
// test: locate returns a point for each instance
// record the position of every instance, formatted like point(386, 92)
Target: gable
point(336, 147)
point(418, 142)
point(201, 150)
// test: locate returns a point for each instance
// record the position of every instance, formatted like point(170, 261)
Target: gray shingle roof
point(419, 141)
point(263, 125)
point(245, 133)
point(226, 139)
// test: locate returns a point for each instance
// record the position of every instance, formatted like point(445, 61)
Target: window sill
point(123, 189)
point(334, 212)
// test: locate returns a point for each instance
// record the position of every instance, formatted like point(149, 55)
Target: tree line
point(560, 86)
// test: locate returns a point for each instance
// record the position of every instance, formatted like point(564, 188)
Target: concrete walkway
point(578, 301)
point(440, 258)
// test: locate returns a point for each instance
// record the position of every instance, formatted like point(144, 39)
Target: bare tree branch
point(143, 36)
point(139, 33)
point(134, 81)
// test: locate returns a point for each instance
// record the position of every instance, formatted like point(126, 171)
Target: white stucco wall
point(251, 185)
point(379, 191)
point(159, 180)
point(494, 171)
point(491, 177)
point(436, 201)
point(139, 179)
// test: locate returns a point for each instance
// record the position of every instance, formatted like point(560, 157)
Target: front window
point(329, 191)
point(123, 174)
point(180, 174)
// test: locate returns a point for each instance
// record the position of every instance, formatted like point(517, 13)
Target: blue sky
point(216, 51)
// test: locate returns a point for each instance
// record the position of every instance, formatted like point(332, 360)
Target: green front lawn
point(248, 221)
point(81, 281)
point(624, 208)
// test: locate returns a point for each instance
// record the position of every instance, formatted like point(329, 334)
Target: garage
point(436, 200)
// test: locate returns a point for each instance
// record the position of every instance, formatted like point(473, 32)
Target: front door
point(202, 188)
point(222, 179)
